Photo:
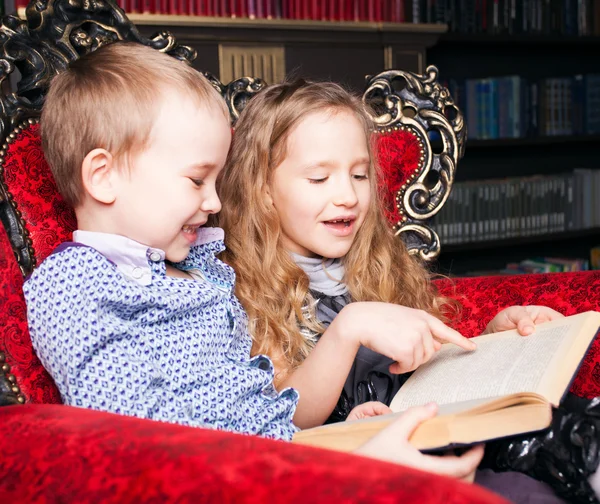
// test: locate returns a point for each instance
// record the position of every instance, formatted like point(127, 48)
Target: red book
point(362, 10)
point(305, 9)
point(251, 8)
point(260, 9)
point(148, 6)
point(200, 7)
point(333, 12)
point(315, 11)
point(269, 9)
point(371, 10)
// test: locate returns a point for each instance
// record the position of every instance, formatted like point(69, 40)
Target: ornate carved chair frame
point(406, 109)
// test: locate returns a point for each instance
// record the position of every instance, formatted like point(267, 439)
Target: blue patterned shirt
point(117, 334)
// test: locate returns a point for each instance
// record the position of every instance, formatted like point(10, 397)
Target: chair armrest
point(568, 293)
point(76, 455)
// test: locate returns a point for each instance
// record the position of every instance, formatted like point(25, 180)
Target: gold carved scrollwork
point(421, 105)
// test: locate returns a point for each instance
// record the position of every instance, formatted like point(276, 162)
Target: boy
point(137, 316)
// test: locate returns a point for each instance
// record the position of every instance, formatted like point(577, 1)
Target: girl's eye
point(317, 180)
point(197, 182)
point(361, 177)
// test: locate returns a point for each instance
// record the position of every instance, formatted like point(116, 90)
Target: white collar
point(131, 258)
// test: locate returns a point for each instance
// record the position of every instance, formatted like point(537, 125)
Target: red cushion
point(64, 454)
point(399, 154)
point(33, 380)
point(49, 220)
point(567, 293)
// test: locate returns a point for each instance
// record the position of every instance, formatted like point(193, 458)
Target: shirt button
point(137, 273)
point(155, 257)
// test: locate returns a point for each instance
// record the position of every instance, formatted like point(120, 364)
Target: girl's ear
point(267, 196)
point(98, 176)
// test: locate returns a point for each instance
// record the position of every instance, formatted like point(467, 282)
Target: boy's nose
point(211, 204)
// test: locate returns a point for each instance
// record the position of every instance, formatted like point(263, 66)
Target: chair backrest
point(407, 109)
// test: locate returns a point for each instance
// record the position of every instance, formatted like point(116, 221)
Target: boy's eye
point(197, 182)
point(361, 177)
point(318, 180)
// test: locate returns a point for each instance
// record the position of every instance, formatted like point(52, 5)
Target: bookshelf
point(533, 57)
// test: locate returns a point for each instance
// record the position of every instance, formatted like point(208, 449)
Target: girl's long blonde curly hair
point(272, 288)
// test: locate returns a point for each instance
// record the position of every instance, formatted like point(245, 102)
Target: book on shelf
point(518, 207)
point(505, 387)
point(513, 107)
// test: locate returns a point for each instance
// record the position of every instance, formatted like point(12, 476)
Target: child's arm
point(392, 444)
point(408, 336)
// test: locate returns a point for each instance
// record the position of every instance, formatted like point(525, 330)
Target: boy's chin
point(178, 255)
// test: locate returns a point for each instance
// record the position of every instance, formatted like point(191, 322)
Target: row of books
point(393, 11)
point(518, 207)
point(512, 107)
point(560, 17)
point(538, 265)
point(567, 17)
point(546, 265)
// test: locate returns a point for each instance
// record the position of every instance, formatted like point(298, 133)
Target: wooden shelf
point(519, 241)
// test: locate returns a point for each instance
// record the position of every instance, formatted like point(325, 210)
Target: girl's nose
point(346, 194)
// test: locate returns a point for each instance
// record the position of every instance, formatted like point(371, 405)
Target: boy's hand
point(408, 336)
point(522, 318)
point(392, 444)
point(368, 409)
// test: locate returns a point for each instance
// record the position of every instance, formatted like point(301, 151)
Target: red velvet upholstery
point(64, 454)
point(399, 155)
point(33, 380)
point(49, 220)
point(567, 293)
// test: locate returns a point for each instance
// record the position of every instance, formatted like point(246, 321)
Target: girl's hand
point(368, 409)
point(392, 444)
point(522, 318)
point(408, 336)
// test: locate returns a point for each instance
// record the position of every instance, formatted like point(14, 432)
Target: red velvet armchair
point(52, 452)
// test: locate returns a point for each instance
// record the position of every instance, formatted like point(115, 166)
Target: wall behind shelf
point(344, 52)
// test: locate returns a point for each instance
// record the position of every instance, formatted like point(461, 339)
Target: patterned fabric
point(398, 156)
point(567, 293)
point(175, 350)
point(33, 380)
point(49, 220)
point(63, 454)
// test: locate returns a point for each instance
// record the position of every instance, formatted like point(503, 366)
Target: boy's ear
point(97, 173)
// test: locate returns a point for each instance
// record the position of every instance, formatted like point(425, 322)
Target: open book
point(505, 387)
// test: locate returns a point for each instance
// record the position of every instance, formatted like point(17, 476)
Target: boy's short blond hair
point(110, 99)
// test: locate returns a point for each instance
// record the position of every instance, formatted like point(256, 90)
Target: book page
point(504, 363)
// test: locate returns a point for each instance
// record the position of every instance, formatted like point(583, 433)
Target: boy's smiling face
point(168, 191)
point(321, 189)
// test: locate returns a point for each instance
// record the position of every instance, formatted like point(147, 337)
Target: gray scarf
point(326, 275)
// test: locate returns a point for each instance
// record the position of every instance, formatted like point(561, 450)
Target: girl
point(307, 238)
